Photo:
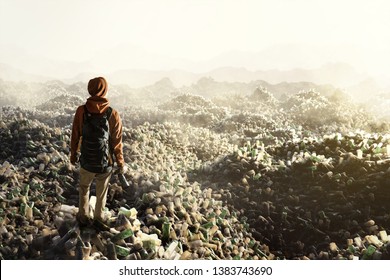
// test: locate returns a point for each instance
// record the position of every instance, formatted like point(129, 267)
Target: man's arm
point(76, 134)
point(116, 138)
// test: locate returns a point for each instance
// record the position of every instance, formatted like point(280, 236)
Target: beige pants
point(86, 179)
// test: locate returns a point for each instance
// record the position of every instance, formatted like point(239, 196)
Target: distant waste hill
point(24, 93)
point(33, 93)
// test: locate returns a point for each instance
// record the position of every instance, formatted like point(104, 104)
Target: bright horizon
point(355, 32)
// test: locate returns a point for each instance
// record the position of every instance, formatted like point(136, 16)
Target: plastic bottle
point(369, 252)
point(122, 235)
point(165, 231)
point(132, 213)
point(123, 181)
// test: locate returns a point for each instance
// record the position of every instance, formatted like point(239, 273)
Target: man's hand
point(74, 159)
point(123, 169)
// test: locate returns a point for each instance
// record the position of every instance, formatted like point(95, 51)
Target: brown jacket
point(97, 104)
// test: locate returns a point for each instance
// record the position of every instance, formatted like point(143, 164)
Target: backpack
point(95, 145)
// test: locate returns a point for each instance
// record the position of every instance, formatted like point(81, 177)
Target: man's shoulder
point(114, 111)
point(79, 112)
point(114, 114)
point(80, 108)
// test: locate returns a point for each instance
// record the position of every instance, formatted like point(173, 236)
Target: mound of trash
point(313, 199)
point(195, 110)
point(314, 111)
point(252, 179)
point(263, 95)
point(64, 103)
point(176, 219)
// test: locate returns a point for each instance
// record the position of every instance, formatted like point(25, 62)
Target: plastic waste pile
point(311, 196)
point(178, 219)
point(253, 179)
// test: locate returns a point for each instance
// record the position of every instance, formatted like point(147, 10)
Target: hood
point(97, 103)
point(98, 87)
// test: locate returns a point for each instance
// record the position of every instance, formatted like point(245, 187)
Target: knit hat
point(97, 87)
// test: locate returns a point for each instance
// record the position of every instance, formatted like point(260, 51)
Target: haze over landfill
point(63, 39)
point(252, 129)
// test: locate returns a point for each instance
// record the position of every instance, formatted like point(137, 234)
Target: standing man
point(97, 134)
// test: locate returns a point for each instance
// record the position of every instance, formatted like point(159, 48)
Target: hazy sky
point(77, 30)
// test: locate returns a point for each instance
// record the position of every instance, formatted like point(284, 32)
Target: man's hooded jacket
point(97, 104)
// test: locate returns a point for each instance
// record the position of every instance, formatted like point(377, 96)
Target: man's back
point(98, 104)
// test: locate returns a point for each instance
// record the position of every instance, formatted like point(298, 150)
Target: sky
point(357, 31)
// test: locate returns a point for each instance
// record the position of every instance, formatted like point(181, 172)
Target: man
point(97, 134)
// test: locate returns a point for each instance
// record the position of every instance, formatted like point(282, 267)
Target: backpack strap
point(108, 113)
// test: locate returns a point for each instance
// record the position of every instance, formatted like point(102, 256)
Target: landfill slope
point(231, 177)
